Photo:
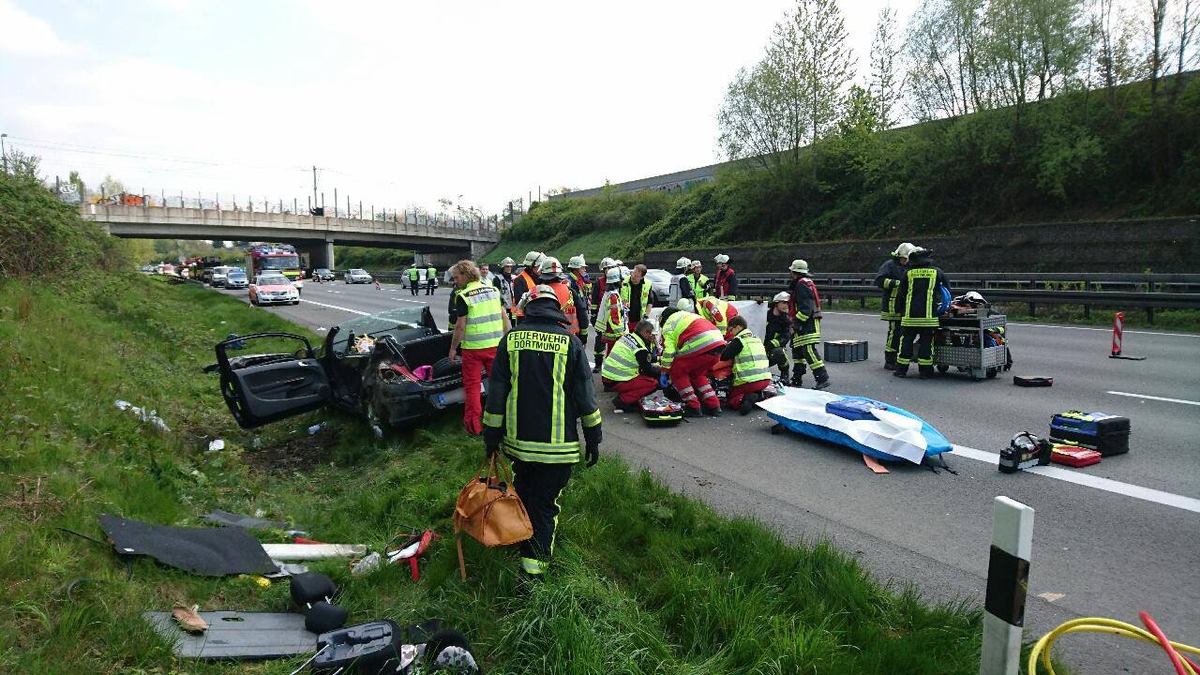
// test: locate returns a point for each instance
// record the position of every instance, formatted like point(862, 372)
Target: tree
point(794, 96)
point(945, 43)
point(111, 186)
point(1157, 56)
point(886, 82)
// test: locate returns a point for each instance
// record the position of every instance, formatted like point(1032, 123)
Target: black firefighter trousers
point(539, 485)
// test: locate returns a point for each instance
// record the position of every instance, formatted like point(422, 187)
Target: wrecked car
point(392, 368)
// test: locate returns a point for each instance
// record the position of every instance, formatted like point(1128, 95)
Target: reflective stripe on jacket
point(645, 298)
point(485, 324)
point(919, 288)
point(750, 364)
point(685, 334)
point(718, 311)
point(890, 274)
point(566, 299)
point(522, 284)
point(621, 364)
point(611, 317)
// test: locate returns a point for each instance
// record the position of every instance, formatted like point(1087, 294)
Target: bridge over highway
point(314, 235)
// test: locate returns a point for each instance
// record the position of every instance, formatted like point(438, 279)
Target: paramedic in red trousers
point(806, 327)
point(725, 286)
point(629, 369)
point(611, 316)
point(916, 302)
point(539, 388)
point(891, 273)
point(751, 370)
point(481, 322)
point(635, 293)
point(527, 279)
point(691, 347)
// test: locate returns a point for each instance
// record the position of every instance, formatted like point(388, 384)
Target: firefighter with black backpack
point(916, 303)
point(805, 308)
point(891, 273)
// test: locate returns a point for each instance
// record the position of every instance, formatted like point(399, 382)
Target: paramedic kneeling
point(751, 370)
point(628, 370)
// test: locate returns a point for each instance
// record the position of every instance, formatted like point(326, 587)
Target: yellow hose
point(1097, 625)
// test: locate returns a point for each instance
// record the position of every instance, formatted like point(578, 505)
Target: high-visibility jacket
point(684, 334)
point(431, 273)
point(890, 274)
point(612, 316)
point(916, 296)
point(566, 299)
point(718, 311)
point(645, 295)
point(699, 285)
point(413, 274)
point(621, 364)
point(540, 384)
point(750, 364)
point(522, 284)
point(485, 323)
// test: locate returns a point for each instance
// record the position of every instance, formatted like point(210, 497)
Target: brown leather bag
point(489, 510)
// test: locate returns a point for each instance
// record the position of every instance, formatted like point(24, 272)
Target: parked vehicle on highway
point(357, 276)
point(660, 286)
point(236, 279)
point(323, 274)
point(272, 288)
point(389, 367)
point(421, 281)
point(218, 276)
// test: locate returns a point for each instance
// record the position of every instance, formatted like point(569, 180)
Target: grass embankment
point(644, 580)
point(593, 246)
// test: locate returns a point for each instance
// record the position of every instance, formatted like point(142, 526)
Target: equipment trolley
point(976, 345)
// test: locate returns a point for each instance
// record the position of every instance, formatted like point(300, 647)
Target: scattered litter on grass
point(216, 445)
point(315, 429)
point(151, 416)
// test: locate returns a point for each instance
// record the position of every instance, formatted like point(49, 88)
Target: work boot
point(889, 360)
point(689, 411)
point(926, 372)
point(822, 376)
point(713, 411)
point(748, 403)
point(822, 384)
point(599, 363)
point(900, 371)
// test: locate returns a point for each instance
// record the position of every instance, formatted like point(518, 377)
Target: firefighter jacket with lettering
point(916, 298)
point(540, 390)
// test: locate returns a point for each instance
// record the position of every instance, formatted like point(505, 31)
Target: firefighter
point(629, 369)
point(479, 324)
point(751, 370)
point(611, 317)
point(691, 347)
point(598, 289)
point(680, 281)
point(430, 279)
point(504, 281)
point(725, 286)
point(779, 332)
point(553, 276)
point(891, 272)
point(635, 293)
point(414, 279)
point(806, 327)
point(578, 276)
point(539, 386)
point(527, 279)
point(916, 299)
point(699, 281)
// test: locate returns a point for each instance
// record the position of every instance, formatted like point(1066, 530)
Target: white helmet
point(782, 296)
point(531, 258)
point(576, 262)
point(685, 305)
point(507, 262)
point(539, 292)
point(904, 250)
point(721, 259)
point(551, 267)
point(683, 263)
point(974, 298)
point(612, 275)
point(697, 263)
point(625, 273)
point(799, 267)
point(606, 263)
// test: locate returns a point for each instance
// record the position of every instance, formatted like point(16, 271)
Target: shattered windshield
point(393, 322)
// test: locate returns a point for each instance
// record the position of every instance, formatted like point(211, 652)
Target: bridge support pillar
point(480, 249)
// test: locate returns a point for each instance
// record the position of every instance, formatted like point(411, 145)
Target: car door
point(272, 384)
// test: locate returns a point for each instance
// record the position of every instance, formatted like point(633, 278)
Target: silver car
point(660, 286)
point(357, 276)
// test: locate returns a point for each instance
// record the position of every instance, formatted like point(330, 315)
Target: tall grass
point(644, 581)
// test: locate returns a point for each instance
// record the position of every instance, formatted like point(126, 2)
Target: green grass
point(593, 245)
point(644, 581)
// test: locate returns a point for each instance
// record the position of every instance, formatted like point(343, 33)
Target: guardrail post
point(1007, 585)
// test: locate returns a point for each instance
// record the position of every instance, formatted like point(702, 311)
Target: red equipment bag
point(1073, 455)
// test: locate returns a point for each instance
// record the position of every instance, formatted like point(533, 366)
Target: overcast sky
point(399, 103)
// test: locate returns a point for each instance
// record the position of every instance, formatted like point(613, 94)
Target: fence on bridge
point(1123, 291)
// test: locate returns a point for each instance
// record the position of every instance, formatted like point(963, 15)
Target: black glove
point(592, 453)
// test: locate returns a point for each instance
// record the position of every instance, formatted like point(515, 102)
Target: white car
point(357, 276)
point(273, 289)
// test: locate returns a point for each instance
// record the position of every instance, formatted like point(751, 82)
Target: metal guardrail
point(1143, 291)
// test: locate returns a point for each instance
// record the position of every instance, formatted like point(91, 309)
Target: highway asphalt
point(1101, 548)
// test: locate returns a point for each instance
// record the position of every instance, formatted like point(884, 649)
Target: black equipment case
point(363, 649)
point(1108, 434)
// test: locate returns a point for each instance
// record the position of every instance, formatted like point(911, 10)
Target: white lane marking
point(344, 309)
point(1052, 325)
point(1154, 398)
point(1087, 480)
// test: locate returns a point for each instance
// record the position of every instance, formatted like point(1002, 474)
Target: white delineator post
point(1007, 585)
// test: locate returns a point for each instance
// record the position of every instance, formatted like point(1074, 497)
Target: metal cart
point(971, 345)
